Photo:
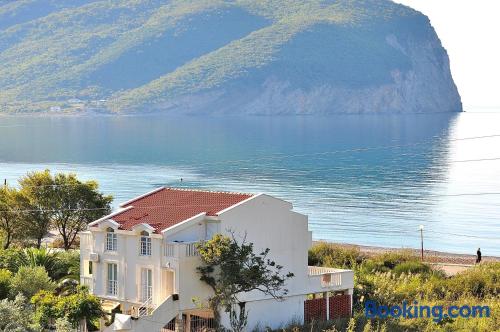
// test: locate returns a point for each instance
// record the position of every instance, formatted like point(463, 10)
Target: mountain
point(221, 57)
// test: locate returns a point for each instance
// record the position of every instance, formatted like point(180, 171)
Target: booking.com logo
point(413, 310)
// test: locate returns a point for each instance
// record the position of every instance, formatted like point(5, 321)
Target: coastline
point(430, 256)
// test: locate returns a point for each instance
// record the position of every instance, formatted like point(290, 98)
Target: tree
point(10, 214)
point(231, 268)
point(75, 205)
point(64, 202)
point(38, 189)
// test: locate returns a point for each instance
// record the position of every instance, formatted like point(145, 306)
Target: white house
point(141, 261)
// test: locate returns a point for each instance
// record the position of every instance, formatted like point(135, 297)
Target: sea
point(362, 179)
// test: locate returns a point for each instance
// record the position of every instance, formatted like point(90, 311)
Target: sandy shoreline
point(431, 256)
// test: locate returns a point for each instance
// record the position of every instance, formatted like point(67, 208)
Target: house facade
point(141, 261)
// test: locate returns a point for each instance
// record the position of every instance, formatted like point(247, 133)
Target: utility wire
point(205, 205)
point(351, 167)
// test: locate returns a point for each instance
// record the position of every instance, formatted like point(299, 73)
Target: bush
point(332, 255)
point(412, 267)
point(5, 276)
point(391, 259)
point(72, 308)
point(8, 259)
point(68, 265)
point(30, 280)
point(15, 316)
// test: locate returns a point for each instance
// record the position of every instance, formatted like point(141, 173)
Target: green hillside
point(201, 56)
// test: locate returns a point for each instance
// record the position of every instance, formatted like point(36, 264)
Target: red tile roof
point(166, 207)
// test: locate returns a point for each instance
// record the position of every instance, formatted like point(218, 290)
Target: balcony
point(89, 282)
point(180, 249)
point(326, 279)
point(175, 251)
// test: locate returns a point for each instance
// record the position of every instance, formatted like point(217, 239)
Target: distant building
point(75, 101)
point(142, 259)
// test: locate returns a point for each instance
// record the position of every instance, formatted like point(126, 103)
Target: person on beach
point(478, 259)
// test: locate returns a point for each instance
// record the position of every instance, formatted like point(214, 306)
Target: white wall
point(129, 263)
point(270, 223)
point(271, 313)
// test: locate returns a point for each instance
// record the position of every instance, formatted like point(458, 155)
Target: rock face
point(227, 57)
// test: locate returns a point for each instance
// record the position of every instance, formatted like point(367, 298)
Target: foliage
point(37, 188)
point(68, 263)
point(412, 268)
point(42, 64)
point(73, 308)
point(231, 268)
point(58, 265)
point(30, 280)
point(395, 277)
point(5, 276)
point(8, 259)
point(63, 325)
point(32, 257)
point(75, 205)
point(332, 255)
point(10, 217)
point(64, 202)
point(15, 315)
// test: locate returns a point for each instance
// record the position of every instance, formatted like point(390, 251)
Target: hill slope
point(214, 56)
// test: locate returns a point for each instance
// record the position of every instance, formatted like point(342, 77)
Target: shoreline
point(430, 256)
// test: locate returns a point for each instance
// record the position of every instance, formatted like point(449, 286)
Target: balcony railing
point(112, 288)
point(330, 277)
point(180, 249)
point(89, 282)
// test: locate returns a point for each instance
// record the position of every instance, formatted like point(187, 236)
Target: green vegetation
point(45, 201)
point(231, 268)
point(38, 291)
point(392, 278)
point(42, 64)
point(39, 286)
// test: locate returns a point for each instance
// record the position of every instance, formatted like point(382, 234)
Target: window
point(90, 268)
point(111, 239)
point(146, 284)
point(145, 244)
point(112, 280)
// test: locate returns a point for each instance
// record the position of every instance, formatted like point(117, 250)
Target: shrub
point(68, 265)
point(412, 267)
point(33, 257)
point(15, 316)
point(391, 259)
point(8, 259)
point(30, 280)
point(72, 308)
point(332, 255)
point(5, 276)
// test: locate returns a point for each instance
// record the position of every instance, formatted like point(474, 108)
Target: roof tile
point(169, 206)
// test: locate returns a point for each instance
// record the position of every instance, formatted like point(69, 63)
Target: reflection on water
point(361, 179)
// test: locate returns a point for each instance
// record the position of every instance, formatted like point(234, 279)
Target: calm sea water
point(361, 179)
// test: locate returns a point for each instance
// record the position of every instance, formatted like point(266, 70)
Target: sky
point(469, 30)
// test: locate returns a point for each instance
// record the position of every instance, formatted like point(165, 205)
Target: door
point(146, 284)
point(112, 280)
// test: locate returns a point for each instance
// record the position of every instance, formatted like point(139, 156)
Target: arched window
point(145, 244)
point(111, 239)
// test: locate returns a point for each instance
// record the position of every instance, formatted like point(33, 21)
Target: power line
point(208, 205)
